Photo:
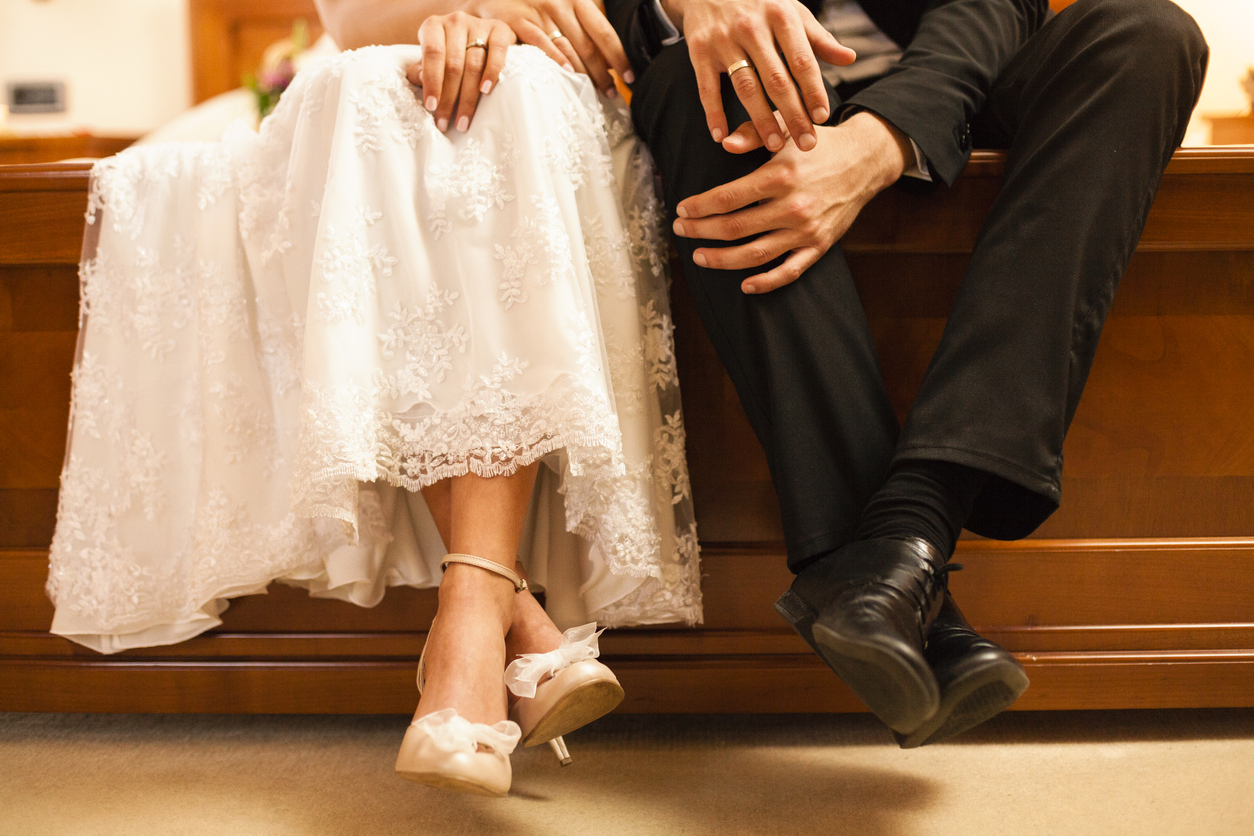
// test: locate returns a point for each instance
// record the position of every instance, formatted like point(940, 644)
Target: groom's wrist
point(887, 147)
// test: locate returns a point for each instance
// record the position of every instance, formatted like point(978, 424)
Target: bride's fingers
point(499, 42)
point(476, 80)
point(583, 48)
point(431, 37)
point(572, 57)
point(472, 73)
point(455, 40)
point(413, 73)
point(602, 33)
point(530, 33)
point(553, 31)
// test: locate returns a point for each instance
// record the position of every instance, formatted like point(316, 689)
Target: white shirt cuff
point(919, 170)
point(673, 35)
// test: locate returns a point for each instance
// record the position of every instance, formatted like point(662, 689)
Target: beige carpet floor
point(1144, 772)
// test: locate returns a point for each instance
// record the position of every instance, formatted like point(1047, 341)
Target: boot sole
point(970, 700)
point(901, 691)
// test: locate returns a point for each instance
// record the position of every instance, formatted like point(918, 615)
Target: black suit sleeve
point(942, 80)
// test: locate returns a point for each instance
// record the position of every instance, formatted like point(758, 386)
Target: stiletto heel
point(578, 689)
point(558, 744)
point(443, 749)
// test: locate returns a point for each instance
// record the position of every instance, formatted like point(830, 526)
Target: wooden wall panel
point(229, 37)
point(1159, 454)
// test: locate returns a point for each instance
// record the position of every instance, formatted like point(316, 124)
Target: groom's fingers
point(709, 88)
point(825, 45)
point(789, 84)
point(751, 254)
point(728, 197)
point(745, 256)
point(751, 94)
point(746, 138)
point(731, 227)
point(799, 261)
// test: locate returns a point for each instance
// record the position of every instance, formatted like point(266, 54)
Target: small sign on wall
point(36, 96)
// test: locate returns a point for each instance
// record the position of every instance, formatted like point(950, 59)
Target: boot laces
point(925, 586)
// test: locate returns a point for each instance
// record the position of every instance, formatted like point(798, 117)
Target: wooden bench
point(1137, 593)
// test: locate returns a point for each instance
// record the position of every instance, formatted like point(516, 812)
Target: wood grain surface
point(1135, 594)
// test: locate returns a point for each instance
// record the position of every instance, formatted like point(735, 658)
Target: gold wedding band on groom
point(477, 43)
point(743, 64)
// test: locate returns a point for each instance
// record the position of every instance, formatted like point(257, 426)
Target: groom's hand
point(780, 39)
point(799, 204)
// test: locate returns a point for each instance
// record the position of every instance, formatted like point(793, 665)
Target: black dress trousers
point(1089, 110)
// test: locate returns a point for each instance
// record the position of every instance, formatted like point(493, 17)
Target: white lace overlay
point(286, 334)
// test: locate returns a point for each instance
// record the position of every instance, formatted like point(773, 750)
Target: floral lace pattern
point(281, 329)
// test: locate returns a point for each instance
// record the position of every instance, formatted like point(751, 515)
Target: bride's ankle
point(487, 599)
point(531, 631)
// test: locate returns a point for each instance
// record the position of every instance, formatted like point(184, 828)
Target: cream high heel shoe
point(578, 689)
point(443, 749)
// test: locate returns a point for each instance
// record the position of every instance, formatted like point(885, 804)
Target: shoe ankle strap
point(520, 584)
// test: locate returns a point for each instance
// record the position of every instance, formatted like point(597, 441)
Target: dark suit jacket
point(954, 51)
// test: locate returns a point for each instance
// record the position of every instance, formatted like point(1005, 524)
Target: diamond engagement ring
point(477, 42)
point(739, 65)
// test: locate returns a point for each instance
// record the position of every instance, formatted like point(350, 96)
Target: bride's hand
point(585, 42)
point(462, 57)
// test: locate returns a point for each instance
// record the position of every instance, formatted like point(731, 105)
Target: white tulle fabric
point(285, 334)
point(578, 643)
point(450, 732)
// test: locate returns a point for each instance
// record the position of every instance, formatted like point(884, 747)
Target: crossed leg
point(468, 648)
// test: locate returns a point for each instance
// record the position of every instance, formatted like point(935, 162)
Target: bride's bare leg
point(532, 631)
point(465, 656)
point(439, 499)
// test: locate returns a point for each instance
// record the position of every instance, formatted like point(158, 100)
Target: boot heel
point(795, 611)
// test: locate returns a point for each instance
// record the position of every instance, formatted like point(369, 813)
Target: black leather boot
point(865, 609)
point(977, 678)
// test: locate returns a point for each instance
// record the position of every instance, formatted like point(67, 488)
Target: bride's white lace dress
point(286, 334)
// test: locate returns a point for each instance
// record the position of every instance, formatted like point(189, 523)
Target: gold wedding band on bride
point(742, 64)
point(477, 43)
point(555, 34)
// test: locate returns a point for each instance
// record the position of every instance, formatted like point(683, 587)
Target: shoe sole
point(449, 782)
point(970, 700)
point(900, 691)
point(590, 701)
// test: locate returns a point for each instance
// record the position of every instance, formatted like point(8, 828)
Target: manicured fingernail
point(717, 133)
point(442, 124)
point(611, 93)
point(430, 103)
point(699, 258)
point(806, 141)
point(629, 77)
point(569, 68)
point(463, 124)
point(774, 142)
point(681, 211)
point(486, 87)
point(679, 229)
point(819, 115)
